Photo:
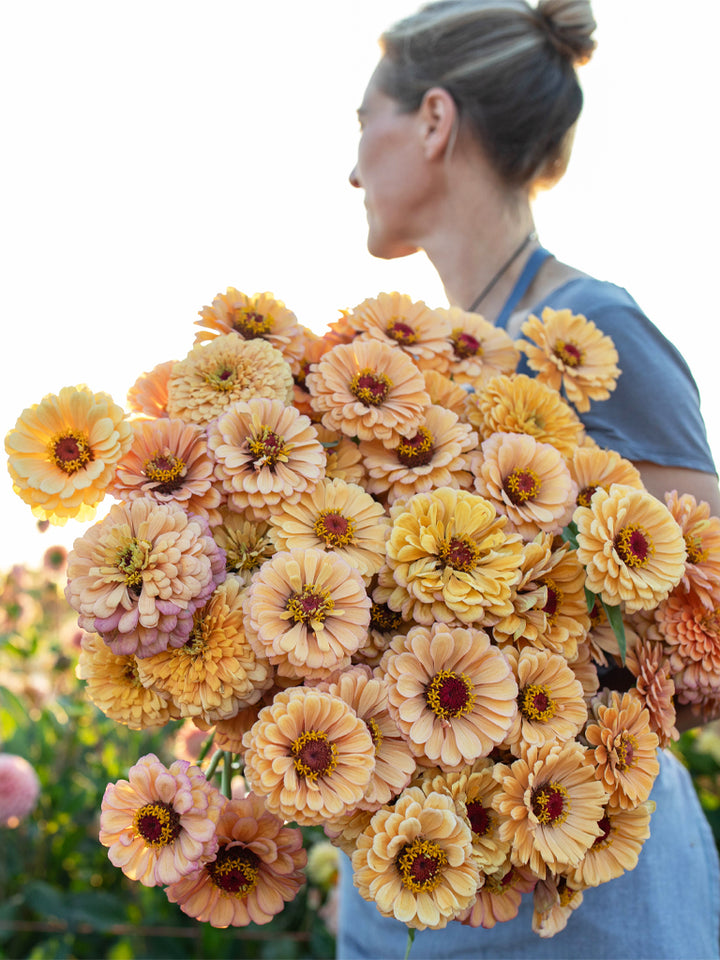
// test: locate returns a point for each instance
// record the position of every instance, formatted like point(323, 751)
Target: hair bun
point(569, 25)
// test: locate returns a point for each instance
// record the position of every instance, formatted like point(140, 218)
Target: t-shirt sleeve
point(654, 412)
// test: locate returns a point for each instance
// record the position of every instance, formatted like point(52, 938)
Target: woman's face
point(391, 171)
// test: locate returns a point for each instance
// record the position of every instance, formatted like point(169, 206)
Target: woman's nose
point(353, 178)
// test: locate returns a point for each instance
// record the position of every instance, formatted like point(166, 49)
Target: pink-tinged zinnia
point(159, 824)
point(19, 787)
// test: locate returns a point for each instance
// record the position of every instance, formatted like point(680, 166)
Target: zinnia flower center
point(421, 865)
point(310, 606)
point(377, 737)
point(314, 755)
point(625, 746)
point(416, 451)
point(634, 546)
point(566, 893)
point(370, 388)
point(334, 529)
point(449, 694)
point(157, 823)
point(250, 324)
point(70, 451)
point(301, 376)
point(222, 379)
point(552, 604)
point(383, 619)
point(498, 885)
point(464, 344)
point(235, 870)
point(460, 554)
point(536, 703)
point(586, 495)
point(267, 448)
point(694, 548)
point(132, 560)
point(248, 556)
point(521, 486)
point(166, 470)
point(480, 819)
point(551, 804)
point(569, 352)
point(603, 840)
point(401, 332)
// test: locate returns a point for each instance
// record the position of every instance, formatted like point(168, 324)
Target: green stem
point(410, 940)
point(210, 772)
point(227, 774)
point(206, 748)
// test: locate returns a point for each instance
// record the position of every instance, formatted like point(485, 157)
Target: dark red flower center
point(157, 823)
point(521, 486)
point(465, 345)
point(449, 694)
point(480, 819)
point(334, 529)
point(370, 388)
point(569, 352)
point(71, 452)
point(401, 332)
point(416, 451)
point(314, 754)
point(251, 324)
point(551, 804)
point(634, 546)
point(235, 870)
point(420, 864)
point(383, 619)
point(458, 553)
point(586, 495)
point(606, 827)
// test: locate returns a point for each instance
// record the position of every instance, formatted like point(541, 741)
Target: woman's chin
point(385, 249)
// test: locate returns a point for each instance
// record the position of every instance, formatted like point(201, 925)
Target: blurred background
point(156, 153)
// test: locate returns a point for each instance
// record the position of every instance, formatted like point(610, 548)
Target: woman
point(470, 110)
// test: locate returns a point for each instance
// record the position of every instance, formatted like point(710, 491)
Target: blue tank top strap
point(534, 262)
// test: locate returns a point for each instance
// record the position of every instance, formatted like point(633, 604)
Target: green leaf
point(615, 620)
point(590, 599)
point(569, 535)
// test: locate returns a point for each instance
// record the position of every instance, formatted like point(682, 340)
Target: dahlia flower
point(569, 353)
point(19, 787)
point(309, 756)
point(149, 394)
point(451, 693)
point(450, 558)
point(370, 390)
point(63, 451)
point(168, 460)
point(480, 350)
point(702, 542)
point(257, 869)
point(265, 453)
point(527, 481)
point(218, 374)
point(415, 861)
point(159, 824)
point(138, 576)
point(632, 549)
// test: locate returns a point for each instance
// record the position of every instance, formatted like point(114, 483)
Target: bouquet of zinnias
point(394, 580)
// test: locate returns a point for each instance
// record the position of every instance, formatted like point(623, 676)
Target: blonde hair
point(511, 70)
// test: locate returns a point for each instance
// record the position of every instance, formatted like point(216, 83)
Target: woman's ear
point(438, 115)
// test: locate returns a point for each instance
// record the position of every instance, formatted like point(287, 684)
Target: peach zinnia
point(247, 543)
point(498, 899)
point(149, 394)
point(623, 749)
point(63, 451)
point(307, 612)
point(570, 353)
point(450, 558)
point(415, 861)
point(592, 468)
point(649, 664)
point(257, 869)
point(527, 481)
point(159, 824)
point(692, 635)
point(553, 803)
point(370, 390)
point(309, 756)
point(265, 453)
point(632, 549)
point(451, 693)
point(138, 576)
point(168, 460)
point(702, 542)
point(434, 457)
point(216, 375)
point(338, 517)
point(616, 849)
point(480, 349)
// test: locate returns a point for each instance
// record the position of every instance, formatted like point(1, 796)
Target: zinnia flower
point(114, 686)
point(247, 544)
point(702, 542)
point(309, 756)
point(415, 861)
point(553, 803)
point(62, 453)
point(520, 404)
point(527, 481)
point(444, 392)
point(257, 869)
point(649, 664)
point(692, 634)
point(307, 612)
point(138, 576)
point(343, 457)
point(394, 319)
point(370, 390)
point(498, 899)
point(570, 353)
point(451, 693)
point(19, 787)
point(554, 900)
point(313, 348)
point(168, 460)
point(623, 749)
point(216, 671)
point(335, 516)
point(592, 468)
point(450, 558)
point(433, 457)
point(480, 349)
point(632, 549)
point(616, 849)
point(252, 317)
point(265, 453)
point(216, 375)
point(159, 824)
point(384, 625)
point(149, 393)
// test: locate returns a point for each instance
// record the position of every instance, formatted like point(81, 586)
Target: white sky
point(156, 152)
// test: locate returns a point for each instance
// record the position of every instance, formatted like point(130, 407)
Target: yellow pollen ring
point(172, 468)
point(311, 606)
point(132, 559)
point(267, 448)
point(545, 801)
point(334, 538)
point(569, 352)
point(460, 554)
point(437, 687)
point(222, 379)
point(327, 754)
point(249, 323)
point(377, 737)
point(432, 860)
point(370, 387)
point(70, 451)
point(156, 824)
point(634, 546)
point(529, 703)
point(695, 551)
point(522, 485)
point(625, 746)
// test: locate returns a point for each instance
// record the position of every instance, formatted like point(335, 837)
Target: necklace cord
point(501, 272)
